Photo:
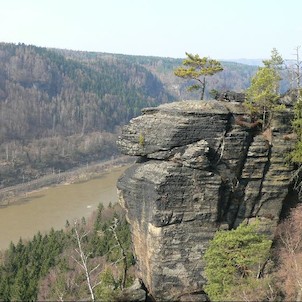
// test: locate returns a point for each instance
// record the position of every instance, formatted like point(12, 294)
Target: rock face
point(198, 170)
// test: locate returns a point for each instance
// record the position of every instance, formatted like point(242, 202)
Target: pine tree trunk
point(203, 87)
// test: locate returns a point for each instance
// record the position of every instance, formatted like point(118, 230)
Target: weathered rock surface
point(198, 171)
point(134, 293)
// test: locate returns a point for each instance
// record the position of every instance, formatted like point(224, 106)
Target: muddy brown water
point(51, 207)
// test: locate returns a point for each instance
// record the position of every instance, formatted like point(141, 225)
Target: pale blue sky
point(221, 29)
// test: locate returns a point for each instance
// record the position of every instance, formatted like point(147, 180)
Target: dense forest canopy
point(62, 108)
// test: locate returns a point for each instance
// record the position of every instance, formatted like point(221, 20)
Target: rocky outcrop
point(198, 170)
point(230, 96)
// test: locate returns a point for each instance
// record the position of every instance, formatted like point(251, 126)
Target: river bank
point(51, 207)
point(11, 194)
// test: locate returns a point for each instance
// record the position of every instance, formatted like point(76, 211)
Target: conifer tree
point(4, 286)
point(197, 69)
point(263, 94)
point(234, 261)
point(276, 61)
point(19, 291)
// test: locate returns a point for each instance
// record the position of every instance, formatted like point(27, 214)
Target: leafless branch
point(122, 250)
point(83, 262)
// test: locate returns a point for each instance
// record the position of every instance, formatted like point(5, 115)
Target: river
point(51, 207)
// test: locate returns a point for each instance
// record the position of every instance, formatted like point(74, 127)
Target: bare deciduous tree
point(290, 255)
point(297, 68)
point(294, 70)
point(123, 252)
point(83, 261)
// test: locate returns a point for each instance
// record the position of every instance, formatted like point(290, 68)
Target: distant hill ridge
point(236, 75)
point(61, 108)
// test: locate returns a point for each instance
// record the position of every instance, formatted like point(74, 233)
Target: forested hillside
point(235, 76)
point(58, 112)
point(62, 108)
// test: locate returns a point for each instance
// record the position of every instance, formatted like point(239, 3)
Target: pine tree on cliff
point(234, 265)
point(263, 94)
point(197, 69)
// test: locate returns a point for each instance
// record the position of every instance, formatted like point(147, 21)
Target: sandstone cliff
point(199, 168)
